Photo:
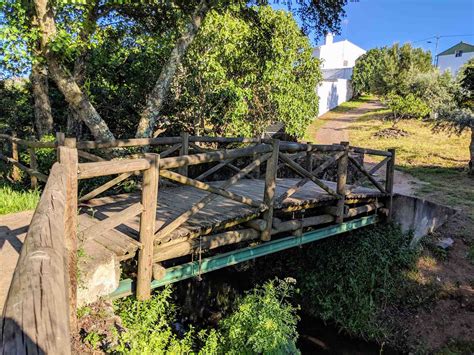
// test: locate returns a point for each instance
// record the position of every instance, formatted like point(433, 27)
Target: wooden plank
point(206, 187)
point(105, 187)
point(207, 139)
point(30, 144)
point(90, 170)
point(165, 231)
point(170, 150)
point(304, 172)
point(31, 172)
point(113, 221)
point(209, 157)
point(389, 181)
point(133, 142)
point(89, 156)
point(365, 172)
point(372, 171)
point(296, 187)
point(68, 158)
point(33, 166)
point(214, 169)
point(147, 227)
point(342, 165)
point(371, 151)
point(269, 190)
point(35, 314)
point(227, 162)
point(184, 151)
point(16, 175)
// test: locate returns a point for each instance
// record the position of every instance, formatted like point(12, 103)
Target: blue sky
point(372, 23)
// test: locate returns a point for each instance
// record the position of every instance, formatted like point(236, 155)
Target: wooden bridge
point(204, 203)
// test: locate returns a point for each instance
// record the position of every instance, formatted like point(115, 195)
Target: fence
point(45, 277)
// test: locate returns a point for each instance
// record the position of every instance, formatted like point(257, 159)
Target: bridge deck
point(173, 201)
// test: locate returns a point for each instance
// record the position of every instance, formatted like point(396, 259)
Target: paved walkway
point(336, 130)
point(13, 229)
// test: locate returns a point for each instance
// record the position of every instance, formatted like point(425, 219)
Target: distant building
point(454, 58)
point(337, 61)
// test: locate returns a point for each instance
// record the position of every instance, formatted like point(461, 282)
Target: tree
point(67, 34)
point(20, 45)
point(235, 71)
point(458, 116)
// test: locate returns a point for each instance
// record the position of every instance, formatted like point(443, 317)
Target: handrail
point(35, 317)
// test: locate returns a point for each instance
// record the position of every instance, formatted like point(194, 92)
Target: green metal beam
point(188, 270)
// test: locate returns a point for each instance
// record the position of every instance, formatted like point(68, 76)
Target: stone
point(445, 243)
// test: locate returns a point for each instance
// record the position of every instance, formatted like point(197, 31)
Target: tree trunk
point(471, 150)
point(42, 105)
point(155, 100)
point(75, 97)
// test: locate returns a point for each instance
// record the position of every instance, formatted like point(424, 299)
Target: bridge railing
point(48, 258)
point(37, 312)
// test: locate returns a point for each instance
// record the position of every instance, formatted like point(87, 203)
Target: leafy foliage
point(389, 69)
point(362, 274)
point(408, 106)
point(263, 322)
point(238, 76)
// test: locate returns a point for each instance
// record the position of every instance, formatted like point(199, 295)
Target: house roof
point(461, 46)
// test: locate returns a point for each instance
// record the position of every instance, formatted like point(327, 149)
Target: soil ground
point(439, 317)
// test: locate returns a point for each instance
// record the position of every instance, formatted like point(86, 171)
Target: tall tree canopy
point(62, 40)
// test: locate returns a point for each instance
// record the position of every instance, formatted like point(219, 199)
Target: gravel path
point(336, 130)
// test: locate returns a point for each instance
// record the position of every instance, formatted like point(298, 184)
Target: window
point(458, 53)
point(345, 63)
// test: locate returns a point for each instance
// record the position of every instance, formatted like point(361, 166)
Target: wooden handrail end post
point(389, 181)
point(147, 226)
point(269, 190)
point(342, 165)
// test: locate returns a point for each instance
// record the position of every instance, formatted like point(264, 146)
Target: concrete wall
point(453, 63)
point(332, 93)
point(418, 215)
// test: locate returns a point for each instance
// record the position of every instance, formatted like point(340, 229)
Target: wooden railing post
point(67, 155)
point(147, 227)
point(16, 176)
point(342, 164)
point(389, 179)
point(184, 151)
point(34, 166)
point(309, 159)
point(269, 192)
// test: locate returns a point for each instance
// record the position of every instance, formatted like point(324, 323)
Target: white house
point(454, 58)
point(337, 61)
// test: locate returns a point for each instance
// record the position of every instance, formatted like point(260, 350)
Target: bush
point(404, 107)
point(351, 279)
point(264, 322)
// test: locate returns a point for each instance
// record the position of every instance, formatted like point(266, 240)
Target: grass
point(437, 159)
point(16, 200)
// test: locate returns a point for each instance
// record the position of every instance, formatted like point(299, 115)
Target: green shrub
point(408, 106)
point(350, 279)
point(264, 322)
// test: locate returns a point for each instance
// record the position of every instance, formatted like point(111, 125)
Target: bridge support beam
point(192, 269)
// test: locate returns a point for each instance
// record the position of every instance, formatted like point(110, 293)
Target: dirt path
point(335, 131)
point(13, 229)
